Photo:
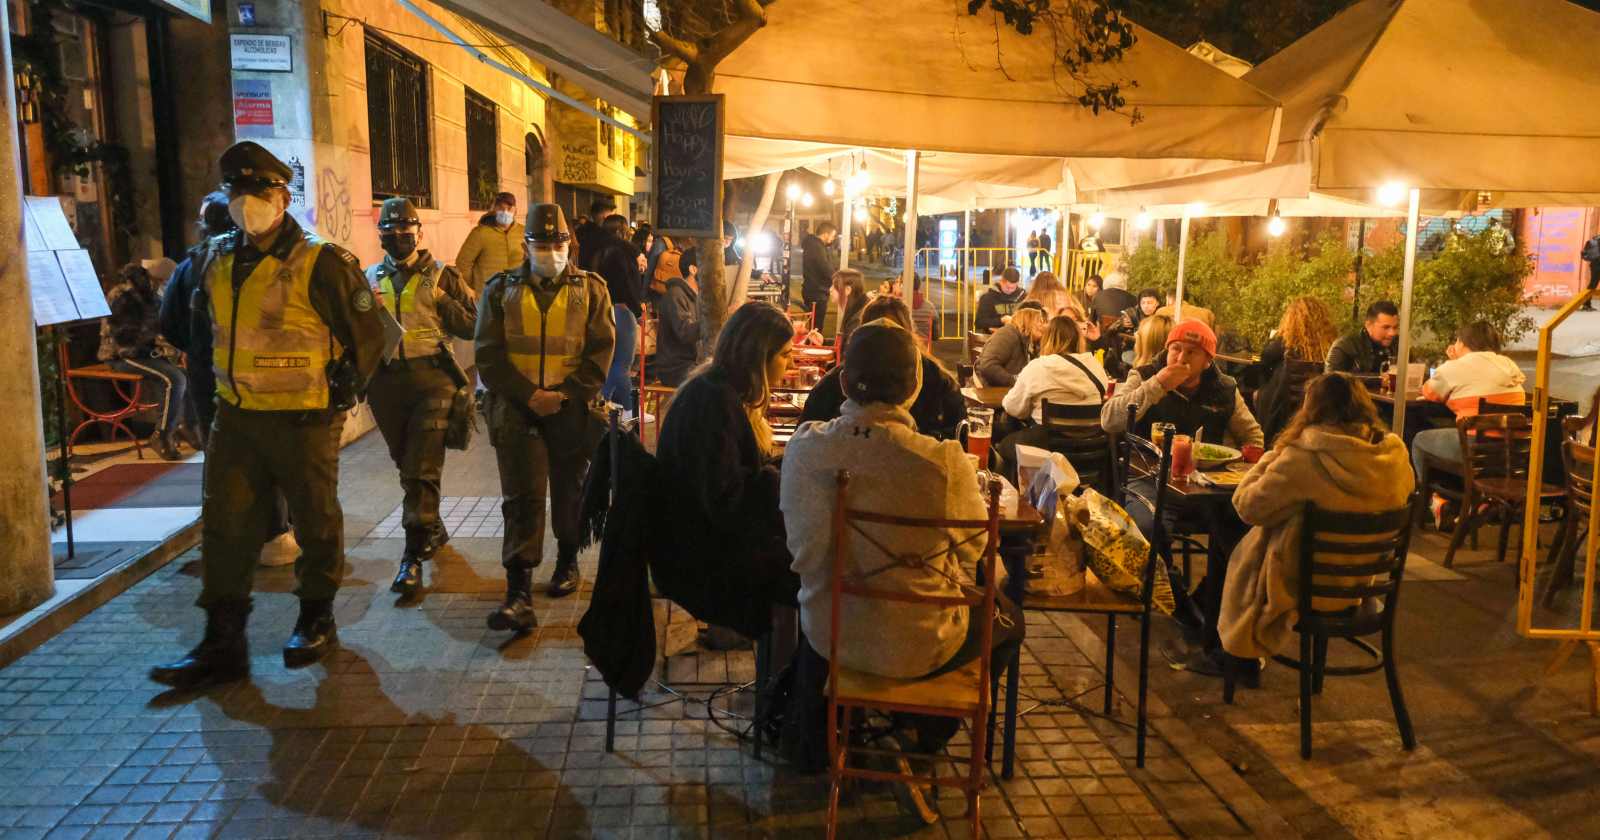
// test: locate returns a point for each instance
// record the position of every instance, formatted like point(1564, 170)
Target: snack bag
point(1115, 550)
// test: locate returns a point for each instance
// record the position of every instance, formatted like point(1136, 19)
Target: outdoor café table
point(1019, 530)
point(987, 397)
point(1214, 506)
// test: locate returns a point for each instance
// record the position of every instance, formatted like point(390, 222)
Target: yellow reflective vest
point(270, 347)
point(416, 308)
point(546, 345)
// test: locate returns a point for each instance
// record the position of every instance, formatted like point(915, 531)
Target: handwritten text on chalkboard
point(688, 170)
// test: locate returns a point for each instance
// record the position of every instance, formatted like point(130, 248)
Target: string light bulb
point(1097, 221)
point(827, 187)
point(1143, 221)
point(1392, 193)
point(1276, 226)
point(792, 192)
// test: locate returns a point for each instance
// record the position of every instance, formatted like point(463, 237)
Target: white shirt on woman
point(1055, 379)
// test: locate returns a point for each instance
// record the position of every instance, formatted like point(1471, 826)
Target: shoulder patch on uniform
point(362, 300)
point(346, 256)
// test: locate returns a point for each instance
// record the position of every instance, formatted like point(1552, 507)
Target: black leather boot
point(222, 655)
point(409, 579)
point(516, 614)
point(314, 634)
point(566, 578)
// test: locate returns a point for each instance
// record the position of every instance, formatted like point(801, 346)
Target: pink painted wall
point(1553, 236)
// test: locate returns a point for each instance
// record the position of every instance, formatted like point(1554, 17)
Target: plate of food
point(1209, 456)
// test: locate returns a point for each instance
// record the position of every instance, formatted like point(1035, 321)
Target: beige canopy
point(1451, 96)
point(919, 75)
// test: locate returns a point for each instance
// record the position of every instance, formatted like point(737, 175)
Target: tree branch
point(750, 17)
point(682, 50)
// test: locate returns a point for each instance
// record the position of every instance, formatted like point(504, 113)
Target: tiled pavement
point(425, 723)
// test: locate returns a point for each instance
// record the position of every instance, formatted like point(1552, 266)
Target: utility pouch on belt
point(342, 388)
point(461, 422)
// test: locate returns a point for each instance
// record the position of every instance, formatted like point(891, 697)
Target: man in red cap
point(1201, 401)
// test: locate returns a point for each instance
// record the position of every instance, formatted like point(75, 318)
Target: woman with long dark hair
point(850, 296)
point(723, 554)
point(1334, 452)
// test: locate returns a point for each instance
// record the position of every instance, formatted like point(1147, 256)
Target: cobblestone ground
point(424, 723)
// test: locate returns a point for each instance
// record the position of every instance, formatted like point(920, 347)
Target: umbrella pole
point(1183, 252)
point(1403, 358)
point(964, 294)
point(844, 231)
point(913, 170)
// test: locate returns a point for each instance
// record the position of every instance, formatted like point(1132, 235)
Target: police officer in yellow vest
point(544, 342)
point(411, 393)
point(296, 335)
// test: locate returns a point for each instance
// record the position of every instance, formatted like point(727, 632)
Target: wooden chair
point(1076, 433)
point(974, 345)
point(1495, 451)
point(125, 386)
point(964, 693)
point(1348, 560)
point(1578, 460)
point(1098, 599)
point(653, 400)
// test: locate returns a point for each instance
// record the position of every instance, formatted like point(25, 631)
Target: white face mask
point(547, 262)
point(254, 214)
point(503, 218)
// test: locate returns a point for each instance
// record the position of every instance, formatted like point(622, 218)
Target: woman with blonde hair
point(1011, 347)
point(1150, 342)
point(1063, 374)
point(1304, 334)
point(1050, 293)
point(722, 534)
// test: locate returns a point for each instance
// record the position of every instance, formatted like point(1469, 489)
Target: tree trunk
point(741, 285)
point(713, 280)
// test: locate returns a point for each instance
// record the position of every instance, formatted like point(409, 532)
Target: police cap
point(248, 165)
point(546, 223)
point(397, 212)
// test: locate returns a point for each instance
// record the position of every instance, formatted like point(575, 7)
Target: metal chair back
point(1076, 433)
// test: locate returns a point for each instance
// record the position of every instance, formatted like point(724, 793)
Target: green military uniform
point(539, 452)
point(274, 427)
point(543, 334)
point(296, 335)
point(411, 393)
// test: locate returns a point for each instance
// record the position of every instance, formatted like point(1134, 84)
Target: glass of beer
point(980, 428)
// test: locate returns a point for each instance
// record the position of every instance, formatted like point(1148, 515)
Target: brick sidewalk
point(425, 723)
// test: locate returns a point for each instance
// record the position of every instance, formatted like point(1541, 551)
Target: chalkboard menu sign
point(688, 164)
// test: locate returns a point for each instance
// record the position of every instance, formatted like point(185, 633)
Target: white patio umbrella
point(1442, 100)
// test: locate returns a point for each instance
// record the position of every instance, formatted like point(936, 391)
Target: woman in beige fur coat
point(1334, 452)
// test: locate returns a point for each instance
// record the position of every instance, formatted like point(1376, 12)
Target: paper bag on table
point(1051, 480)
point(1116, 550)
point(1047, 477)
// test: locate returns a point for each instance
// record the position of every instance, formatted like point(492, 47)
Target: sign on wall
point(1554, 236)
point(687, 161)
point(252, 107)
point(270, 53)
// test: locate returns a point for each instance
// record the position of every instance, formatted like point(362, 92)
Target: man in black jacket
point(619, 261)
point(589, 235)
point(816, 270)
point(1366, 349)
point(997, 304)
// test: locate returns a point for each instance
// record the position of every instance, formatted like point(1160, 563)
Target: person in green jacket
point(495, 245)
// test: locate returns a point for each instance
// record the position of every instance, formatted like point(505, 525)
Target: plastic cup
point(1251, 453)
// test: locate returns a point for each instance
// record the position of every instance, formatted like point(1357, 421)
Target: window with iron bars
point(483, 147)
point(397, 119)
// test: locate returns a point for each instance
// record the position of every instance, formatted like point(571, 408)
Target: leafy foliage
point(1467, 282)
point(1086, 34)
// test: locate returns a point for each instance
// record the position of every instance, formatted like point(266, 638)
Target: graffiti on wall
point(333, 205)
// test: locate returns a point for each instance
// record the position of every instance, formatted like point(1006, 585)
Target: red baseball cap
point(1194, 332)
